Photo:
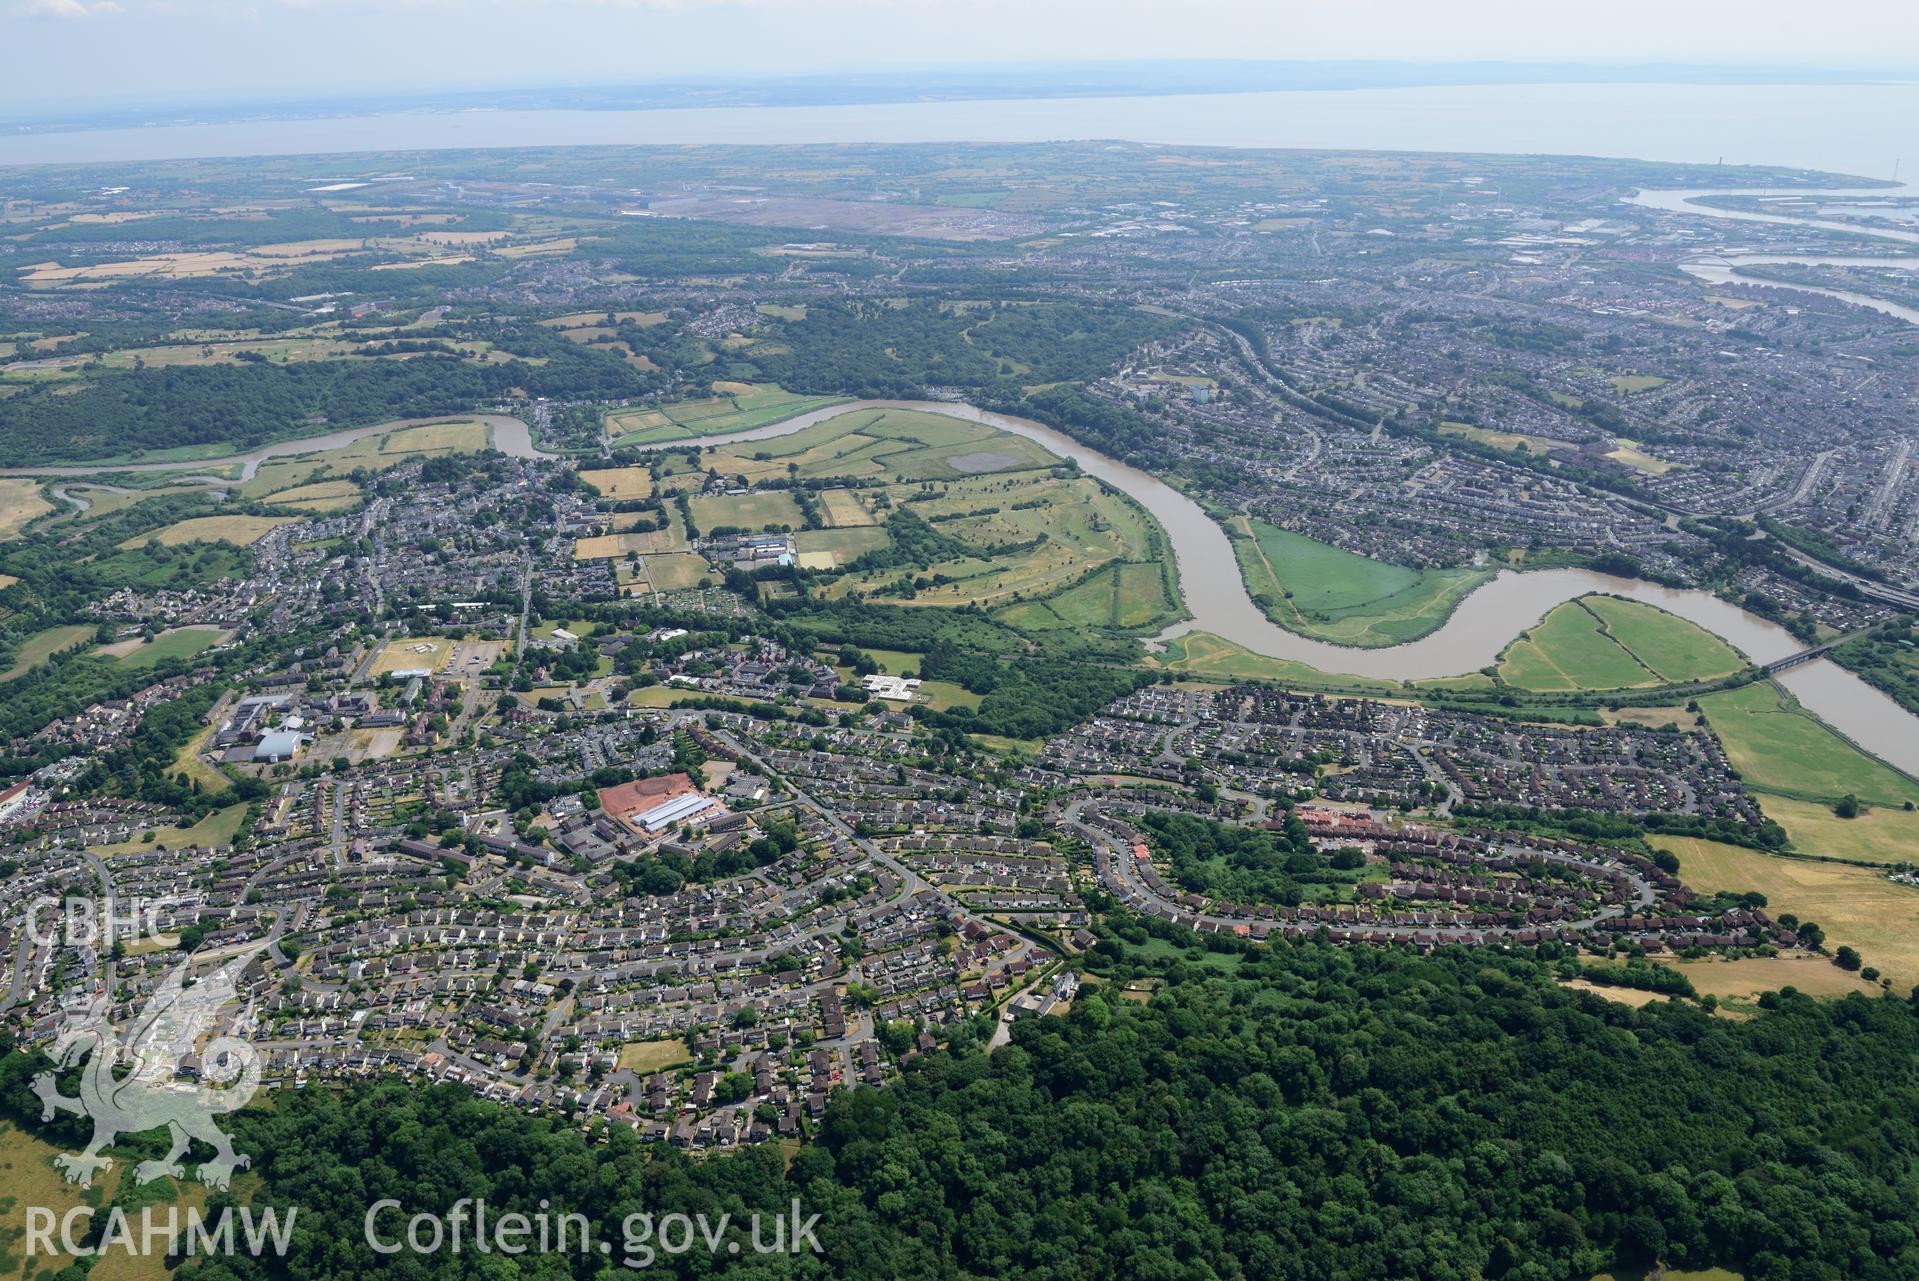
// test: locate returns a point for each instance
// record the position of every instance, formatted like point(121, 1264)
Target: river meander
point(1483, 623)
point(1480, 627)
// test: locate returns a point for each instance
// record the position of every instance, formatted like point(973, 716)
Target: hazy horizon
point(85, 55)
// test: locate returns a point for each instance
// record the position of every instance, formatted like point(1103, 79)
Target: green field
point(1570, 650)
point(1204, 654)
point(184, 642)
point(1776, 745)
point(668, 572)
point(217, 828)
point(1322, 591)
point(1880, 834)
point(39, 647)
point(829, 548)
point(1031, 536)
point(884, 444)
point(737, 407)
point(1129, 596)
point(1601, 643)
point(1671, 647)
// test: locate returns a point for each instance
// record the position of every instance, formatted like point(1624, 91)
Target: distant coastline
point(854, 87)
point(1855, 130)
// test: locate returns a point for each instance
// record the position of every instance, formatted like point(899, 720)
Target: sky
point(62, 54)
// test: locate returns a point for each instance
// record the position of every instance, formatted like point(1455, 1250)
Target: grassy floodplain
point(1778, 746)
point(1334, 595)
point(733, 407)
point(1604, 643)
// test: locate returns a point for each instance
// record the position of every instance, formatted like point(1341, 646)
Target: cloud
point(66, 9)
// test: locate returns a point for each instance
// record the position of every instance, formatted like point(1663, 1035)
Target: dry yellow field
point(322, 496)
point(242, 531)
point(20, 502)
point(843, 509)
point(455, 436)
point(6, 581)
point(672, 572)
point(653, 1056)
point(1639, 460)
point(586, 319)
point(1743, 978)
point(410, 264)
point(1882, 834)
point(621, 483)
point(1623, 995)
point(256, 262)
point(1855, 905)
point(29, 1178)
point(410, 652)
point(462, 237)
point(601, 546)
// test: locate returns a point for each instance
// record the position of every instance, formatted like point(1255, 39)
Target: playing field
point(1855, 905)
point(1507, 440)
point(1779, 746)
point(653, 1056)
point(884, 444)
point(241, 531)
point(733, 407)
point(412, 652)
point(601, 546)
point(671, 572)
point(1640, 460)
point(843, 509)
point(621, 483)
point(753, 511)
point(1323, 591)
point(20, 502)
point(1882, 834)
point(827, 548)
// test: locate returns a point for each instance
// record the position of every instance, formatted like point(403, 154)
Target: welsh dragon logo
point(133, 1084)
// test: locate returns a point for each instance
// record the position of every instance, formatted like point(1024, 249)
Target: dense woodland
point(1246, 864)
point(1292, 1111)
point(126, 412)
point(888, 349)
